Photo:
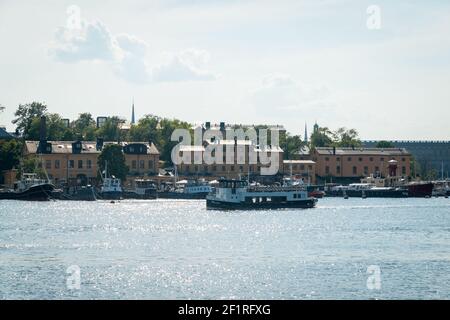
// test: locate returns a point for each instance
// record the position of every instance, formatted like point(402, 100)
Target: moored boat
point(192, 189)
point(29, 187)
point(143, 189)
point(237, 194)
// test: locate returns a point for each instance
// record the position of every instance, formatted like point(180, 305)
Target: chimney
point(207, 125)
point(334, 150)
point(235, 141)
point(99, 144)
point(43, 129)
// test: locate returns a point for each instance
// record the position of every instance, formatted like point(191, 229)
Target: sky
point(381, 67)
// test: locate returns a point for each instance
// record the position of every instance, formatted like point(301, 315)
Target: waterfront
point(166, 249)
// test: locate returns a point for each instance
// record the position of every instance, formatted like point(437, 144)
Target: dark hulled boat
point(29, 188)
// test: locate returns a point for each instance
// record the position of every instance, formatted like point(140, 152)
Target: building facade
point(433, 157)
point(75, 163)
point(340, 164)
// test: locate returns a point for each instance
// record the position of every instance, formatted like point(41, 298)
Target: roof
point(303, 151)
point(5, 135)
point(363, 151)
point(86, 146)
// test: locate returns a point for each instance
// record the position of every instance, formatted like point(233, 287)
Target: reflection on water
point(177, 249)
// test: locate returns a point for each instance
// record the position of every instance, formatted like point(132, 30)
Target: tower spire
point(132, 113)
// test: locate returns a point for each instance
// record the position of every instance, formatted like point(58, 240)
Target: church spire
point(132, 113)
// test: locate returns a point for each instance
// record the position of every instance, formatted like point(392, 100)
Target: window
point(80, 164)
point(241, 169)
point(302, 167)
point(327, 159)
point(89, 164)
point(71, 164)
point(371, 158)
point(232, 168)
point(377, 169)
point(133, 164)
point(403, 170)
point(205, 168)
point(141, 164)
point(349, 159)
point(48, 164)
point(150, 164)
point(381, 159)
point(338, 169)
point(338, 159)
point(360, 159)
point(403, 159)
point(57, 164)
point(223, 168)
point(214, 168)
point(366, 170)
point(355, 171)
point(327, 170)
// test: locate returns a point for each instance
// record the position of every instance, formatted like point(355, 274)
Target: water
point(165, 249)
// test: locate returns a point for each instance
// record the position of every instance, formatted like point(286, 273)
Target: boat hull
point(182, 195)
point(148, 195)
point(111, 195)
point(225, 205)
point(40, 192)
point(420, 190)
point(370, 193)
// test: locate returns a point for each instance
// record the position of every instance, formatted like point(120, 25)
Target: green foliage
point(384, 144)
point(159, 131)
point(322, 137)
point(346, 138)
point(110, 130)
point(292, 145)
point(25, 115)
point(10, 153)
point(32, 164)
point(84, 127)
point(56, 130)
point(112, 153)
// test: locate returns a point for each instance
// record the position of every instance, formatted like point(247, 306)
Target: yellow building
point(239, 165)
point(75, 162)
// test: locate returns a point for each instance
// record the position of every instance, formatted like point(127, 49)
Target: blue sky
point(281, 62)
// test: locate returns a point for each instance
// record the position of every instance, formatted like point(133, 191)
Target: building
point(351, 164)
point(239, 166)
point(4, 135)
point(300, 169)
point(433, 157)
point(75, 163)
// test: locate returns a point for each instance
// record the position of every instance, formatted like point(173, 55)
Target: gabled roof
point(5, 135)
point(87, 147)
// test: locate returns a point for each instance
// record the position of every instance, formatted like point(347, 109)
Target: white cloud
point(127, 55)
point(280, 92)
point(186, 65)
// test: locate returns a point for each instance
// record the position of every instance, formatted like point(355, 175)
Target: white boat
point(111, 187)
point(237, 194)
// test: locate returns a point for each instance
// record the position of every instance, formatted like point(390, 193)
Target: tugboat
point(238, 195)
point(111, 188)
point(144, 189)
point(29, 187)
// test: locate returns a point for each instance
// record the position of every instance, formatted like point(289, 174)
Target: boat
point(111, 188)
point(84, 193)
point(29, 187)
point(143, 189)
point(420, 189)
point(188, 189)
point(238, 194)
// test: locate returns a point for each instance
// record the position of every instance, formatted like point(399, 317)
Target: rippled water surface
point(166, 249)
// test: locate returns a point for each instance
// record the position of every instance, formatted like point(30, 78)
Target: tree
point(84, 127)
point(322, 137)
point(32, 164)
point(346, 138)
point(113, 155)
point(384, 144)
point(10, 153)
point(292, 145)
point(110, 130)
point(56, 129)
point(25, 115)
